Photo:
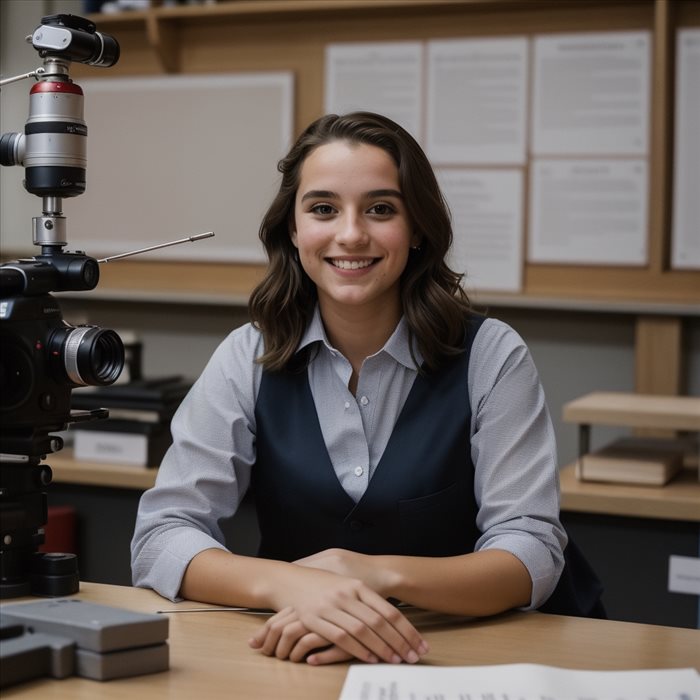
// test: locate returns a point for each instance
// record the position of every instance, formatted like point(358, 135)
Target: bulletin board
point(269, 36)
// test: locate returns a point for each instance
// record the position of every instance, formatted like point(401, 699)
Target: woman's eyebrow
point(372, 194)
point(319, 194)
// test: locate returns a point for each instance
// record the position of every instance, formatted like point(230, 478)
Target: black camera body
point(42, 358)
point(36, 398)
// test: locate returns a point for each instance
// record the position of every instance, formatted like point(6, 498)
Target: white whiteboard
point(170, 157)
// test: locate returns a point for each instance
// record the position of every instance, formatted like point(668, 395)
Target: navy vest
point(420, 500)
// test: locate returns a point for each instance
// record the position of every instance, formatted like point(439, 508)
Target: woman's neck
point(358, 333)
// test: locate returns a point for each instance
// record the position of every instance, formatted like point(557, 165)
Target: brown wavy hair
point(435, 305)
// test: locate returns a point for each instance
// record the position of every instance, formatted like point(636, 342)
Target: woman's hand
point(285, 637)
point(324, 609)
point(354, 565)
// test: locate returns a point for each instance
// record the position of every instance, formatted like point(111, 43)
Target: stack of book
point(634, 460)
point(137, 431)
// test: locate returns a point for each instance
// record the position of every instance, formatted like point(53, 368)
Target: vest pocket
point(438, 525)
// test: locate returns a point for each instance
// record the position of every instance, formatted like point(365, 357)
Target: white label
point(684, 574)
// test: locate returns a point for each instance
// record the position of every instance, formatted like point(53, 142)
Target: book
point(633, 460)
point(135, 443)
point(149, 400)
point(160, 389)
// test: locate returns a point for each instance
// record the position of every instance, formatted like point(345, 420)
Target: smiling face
point(351, 227)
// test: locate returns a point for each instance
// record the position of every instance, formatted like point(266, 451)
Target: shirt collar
point(398, 346)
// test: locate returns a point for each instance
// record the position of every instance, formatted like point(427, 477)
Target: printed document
point(487, 220)
point(515, 682)
point(591, 94)
point(588, 212)
point(383, 77)
point(685, 249)
point(477, 101)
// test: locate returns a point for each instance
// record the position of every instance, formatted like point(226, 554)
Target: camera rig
point(41, 356)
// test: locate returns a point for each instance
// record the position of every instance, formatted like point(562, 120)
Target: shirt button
point(356, 525)
point(347, 405)
point(364, 401)
point(359, 471)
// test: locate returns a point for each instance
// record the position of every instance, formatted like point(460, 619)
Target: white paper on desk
point(486, 207)
point(383, 77)
point(591, 94)
point(685, 247)
point(516, 682)
point(477, 99)
point(588, 212)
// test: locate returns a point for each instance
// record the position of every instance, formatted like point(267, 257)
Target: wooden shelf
point(635, 411)
point(677, 500)
point(291, 35)
point(162, 25)
point(67, 470)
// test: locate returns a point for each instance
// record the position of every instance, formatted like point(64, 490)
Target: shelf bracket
point(164, 39)
point(584, 446)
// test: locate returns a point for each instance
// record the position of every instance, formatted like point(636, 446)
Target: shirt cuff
point(537, 559)
point(165, 570)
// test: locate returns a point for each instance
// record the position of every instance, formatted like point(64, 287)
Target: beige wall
point(576, 352)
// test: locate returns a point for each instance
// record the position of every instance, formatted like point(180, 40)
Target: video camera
point(42, 358)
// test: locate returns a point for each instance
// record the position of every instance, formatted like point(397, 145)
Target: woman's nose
point(352, 231)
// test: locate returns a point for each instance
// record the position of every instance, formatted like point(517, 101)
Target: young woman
point(398, 445)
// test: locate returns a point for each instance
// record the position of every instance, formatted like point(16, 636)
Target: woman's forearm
point(218, 576)
point(476, 584)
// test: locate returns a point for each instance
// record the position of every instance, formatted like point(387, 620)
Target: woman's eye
point(382, 209)
point(322, 209)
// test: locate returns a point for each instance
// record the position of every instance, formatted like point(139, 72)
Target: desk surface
point(210, 657)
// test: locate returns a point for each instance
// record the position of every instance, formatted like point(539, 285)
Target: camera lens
point(91, 356)
point(11, 148)
point(108, 53)
point(55, 140)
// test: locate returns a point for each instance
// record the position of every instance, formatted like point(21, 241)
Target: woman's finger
point(331, 655)
point(380, 629)
point(268, 635)
point(392, 626)
point(313, 643)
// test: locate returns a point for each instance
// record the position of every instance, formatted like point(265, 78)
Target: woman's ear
point(416, 240)
point(293, 233)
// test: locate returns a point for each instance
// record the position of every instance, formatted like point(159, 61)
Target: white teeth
point(351, 264)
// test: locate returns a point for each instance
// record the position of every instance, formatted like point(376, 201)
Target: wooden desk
point(210, 657)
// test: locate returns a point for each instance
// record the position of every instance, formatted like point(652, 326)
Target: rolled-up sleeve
point(514, 453)
point(205, 473)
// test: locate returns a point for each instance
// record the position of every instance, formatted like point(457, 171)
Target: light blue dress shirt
point(206, 472)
